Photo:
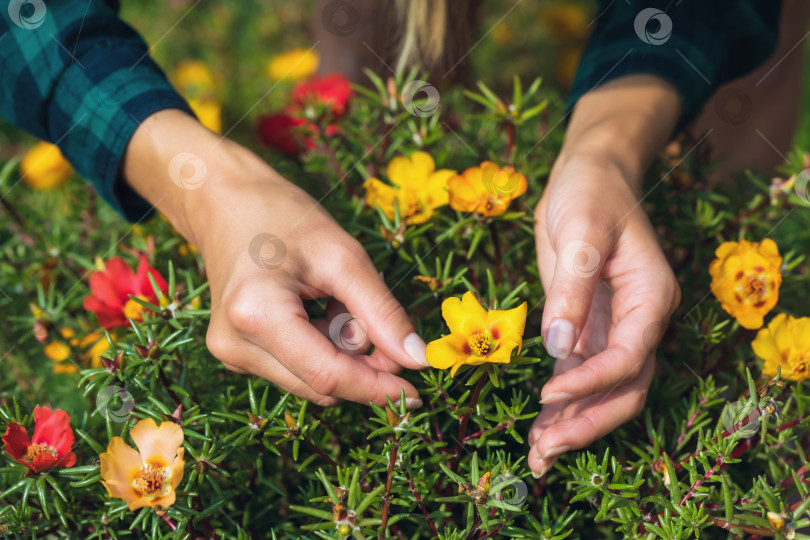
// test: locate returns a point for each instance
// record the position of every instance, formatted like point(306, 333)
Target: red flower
point(333, 91)
point(50, 444)
point(109, 298)
point(289, 132)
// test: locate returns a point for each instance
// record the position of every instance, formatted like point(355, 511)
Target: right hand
point(258, 321)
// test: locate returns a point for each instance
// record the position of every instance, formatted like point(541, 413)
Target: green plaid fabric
point(694, 45)
point(73, 73)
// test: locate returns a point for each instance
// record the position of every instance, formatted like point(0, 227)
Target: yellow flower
point(150, 475)
point(43, 168)
point(193, 78)
point(209, 113)
point(566, 21)
point(746, 279)
point(91, 347)
point(785, 343)
point(418, 188)
point(476, 335)
point(486, 189)
point(293, 65)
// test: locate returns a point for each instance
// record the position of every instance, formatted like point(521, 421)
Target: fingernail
point(556, 397)
point(415, 348)
point(410, 403)
point(561, 339)
point(536, 475)
point(556, 451)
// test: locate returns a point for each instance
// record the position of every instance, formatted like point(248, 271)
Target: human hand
point(268, 246)
point(609, 293)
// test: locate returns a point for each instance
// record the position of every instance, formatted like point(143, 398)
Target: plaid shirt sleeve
point(73, 73)
point(694, 45)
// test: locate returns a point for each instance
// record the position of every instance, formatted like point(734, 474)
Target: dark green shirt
point(695, 45)
point(73, 73)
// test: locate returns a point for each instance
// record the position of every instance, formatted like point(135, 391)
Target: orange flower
point(746, 279)
point(149, 476)
point(418, 188)
point(476, 335)
point(486, 189)
point(785, 343)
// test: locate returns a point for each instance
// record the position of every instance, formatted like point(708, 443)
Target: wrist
point(184, 170)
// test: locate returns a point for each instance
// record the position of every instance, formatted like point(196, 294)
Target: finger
point(251, 359)
point(598, 417)
point(629, 346)
point(359, 286)
point(551, 413)
point(580, 254)
point(287, 335)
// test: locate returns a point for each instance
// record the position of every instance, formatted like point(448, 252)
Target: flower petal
point(16, 441)
point(464, 317)
point(177, 468)
point(142, 283)
point(119, 464)
point(157, 442)
point(507, 326)
point(53, 429)
point(444, 352)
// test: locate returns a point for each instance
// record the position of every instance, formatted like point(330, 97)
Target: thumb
point(377, 312)
point(580, 253)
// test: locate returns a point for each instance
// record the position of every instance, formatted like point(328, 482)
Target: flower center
point(36, 450)
point(153, 481)
point(754, 288)
point(134, 310)
point(480, 344)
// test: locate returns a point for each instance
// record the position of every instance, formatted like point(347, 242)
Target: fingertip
point(416, 347)
point(560, 338)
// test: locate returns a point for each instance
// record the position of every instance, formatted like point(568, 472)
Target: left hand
point(607, 279)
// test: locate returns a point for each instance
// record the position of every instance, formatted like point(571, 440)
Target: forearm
point(622, 124)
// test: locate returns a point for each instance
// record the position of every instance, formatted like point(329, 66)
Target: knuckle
point(219, 344)
point(245, 315)
point(326, 401)
point(322, 380)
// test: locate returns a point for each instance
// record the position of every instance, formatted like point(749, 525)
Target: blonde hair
point(425, 39)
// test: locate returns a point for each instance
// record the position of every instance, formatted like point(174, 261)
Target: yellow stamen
point(153, 481)
point(35, 450)
point(480, 344)
point(134, 310)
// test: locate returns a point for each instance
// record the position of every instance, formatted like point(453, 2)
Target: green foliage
point(262, 463)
